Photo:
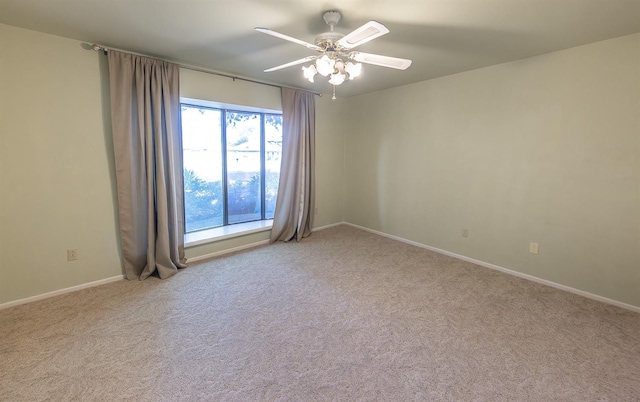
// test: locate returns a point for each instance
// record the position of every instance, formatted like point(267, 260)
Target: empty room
point(270, 200)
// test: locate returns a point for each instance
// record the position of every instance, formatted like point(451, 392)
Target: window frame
point(227, 229)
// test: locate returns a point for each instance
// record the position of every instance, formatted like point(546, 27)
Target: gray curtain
point(145, 118)
point(293, 216)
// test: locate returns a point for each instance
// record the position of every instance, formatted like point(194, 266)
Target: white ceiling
point(442, 37)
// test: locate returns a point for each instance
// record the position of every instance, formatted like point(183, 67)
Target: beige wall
point(543, 150)
point(330, 177)
point(56, 176)
point(199, 85)
point(57, 183)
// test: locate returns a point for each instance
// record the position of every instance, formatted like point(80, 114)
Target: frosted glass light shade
point(309, 72)
point(334, 67)
point(353, 70)
point(324, 65)
point(337, 78)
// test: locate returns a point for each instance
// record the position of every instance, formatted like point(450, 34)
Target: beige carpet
point(345, 315)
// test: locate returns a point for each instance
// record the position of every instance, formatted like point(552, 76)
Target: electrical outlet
point(533, 248)
point(72, 255)
point(465, 232)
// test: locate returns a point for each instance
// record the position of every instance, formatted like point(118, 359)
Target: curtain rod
point(100, 48)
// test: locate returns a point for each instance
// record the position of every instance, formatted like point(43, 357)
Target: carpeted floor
point(344, 316)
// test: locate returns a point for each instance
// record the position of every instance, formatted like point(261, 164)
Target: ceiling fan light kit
point(337, 60)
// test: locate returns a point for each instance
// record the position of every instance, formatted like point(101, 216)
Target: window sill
point(225, 232)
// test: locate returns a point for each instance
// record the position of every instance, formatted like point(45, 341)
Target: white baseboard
point(505, 270)
point(61, 291)
point(226, 251)
point(328, 226)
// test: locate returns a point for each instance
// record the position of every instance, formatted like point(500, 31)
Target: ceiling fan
point(337, 59)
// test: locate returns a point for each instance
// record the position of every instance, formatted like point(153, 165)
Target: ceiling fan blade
point(289, 38)
point(365, 33)
point(384, 61)
point(293, 63)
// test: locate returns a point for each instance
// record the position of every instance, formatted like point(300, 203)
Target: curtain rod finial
point(99, 48)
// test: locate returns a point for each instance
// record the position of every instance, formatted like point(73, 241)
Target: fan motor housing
point(327, 40)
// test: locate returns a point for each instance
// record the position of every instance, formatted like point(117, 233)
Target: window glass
point(202, 158)
point(231, 165)
point(273, 159)
point(244, 173)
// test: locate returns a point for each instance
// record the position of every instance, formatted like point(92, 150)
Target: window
point(231, 165)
